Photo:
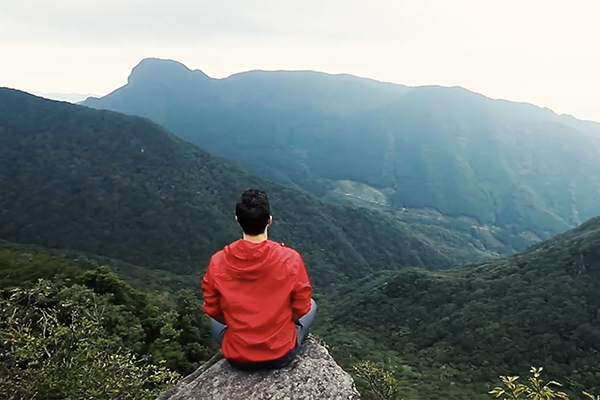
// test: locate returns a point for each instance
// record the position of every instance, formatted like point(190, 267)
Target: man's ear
point(236, 219)
point(270, 220)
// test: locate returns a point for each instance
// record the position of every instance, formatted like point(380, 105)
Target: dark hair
point(253, 211)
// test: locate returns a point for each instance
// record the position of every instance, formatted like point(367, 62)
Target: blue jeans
point(303, 325)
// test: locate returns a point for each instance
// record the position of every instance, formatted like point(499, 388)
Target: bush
point(381, 383)
point(534, 389)
point(53, 346)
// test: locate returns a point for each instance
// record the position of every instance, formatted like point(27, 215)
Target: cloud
point(162, 20)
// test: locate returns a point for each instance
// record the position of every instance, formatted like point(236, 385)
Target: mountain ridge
point(181, 66)
point(449, 149)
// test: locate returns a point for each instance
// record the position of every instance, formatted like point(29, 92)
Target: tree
point(53, 346)
point(381, 383)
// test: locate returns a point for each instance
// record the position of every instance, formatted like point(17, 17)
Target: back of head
point(253, 212)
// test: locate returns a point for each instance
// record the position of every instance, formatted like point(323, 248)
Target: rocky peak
point(151, 70)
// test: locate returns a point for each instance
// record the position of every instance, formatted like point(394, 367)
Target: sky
point(545, 52)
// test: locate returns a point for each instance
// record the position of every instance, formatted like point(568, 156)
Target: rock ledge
point(312, 375)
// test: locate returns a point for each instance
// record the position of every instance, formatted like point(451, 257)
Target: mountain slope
point(118, 186)
point(476, 322)
point(514, 166)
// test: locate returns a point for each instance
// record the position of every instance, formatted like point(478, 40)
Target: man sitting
point(257, 293)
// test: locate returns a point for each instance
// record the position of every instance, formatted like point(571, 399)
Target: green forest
point(455, 331)
point(70, 333)
point(107, 222)
point(124, 188)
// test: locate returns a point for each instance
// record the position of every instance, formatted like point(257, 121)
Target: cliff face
point(312, 375)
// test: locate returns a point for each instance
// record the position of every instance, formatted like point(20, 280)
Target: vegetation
point(66, 333)
point(521, 170)
point(380, 382)
point(454, 331)
point(382, 385)
point(62, 351)
point(535, 388)
point(139, 277)
point(121, 187)
point(103, 189)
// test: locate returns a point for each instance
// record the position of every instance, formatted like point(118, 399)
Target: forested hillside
point(118, 186)
point(515, 171)
point(452, 333)
point(70, 333)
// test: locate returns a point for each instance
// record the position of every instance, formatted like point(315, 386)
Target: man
point(257, 293)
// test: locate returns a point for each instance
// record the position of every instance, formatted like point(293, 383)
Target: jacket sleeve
point(212, 297)
point(302, 290)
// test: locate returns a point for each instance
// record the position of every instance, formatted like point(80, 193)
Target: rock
point(312, 375)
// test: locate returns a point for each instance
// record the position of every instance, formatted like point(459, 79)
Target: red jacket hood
point(250, 260)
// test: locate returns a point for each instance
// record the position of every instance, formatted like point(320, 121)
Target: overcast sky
point(545, 52)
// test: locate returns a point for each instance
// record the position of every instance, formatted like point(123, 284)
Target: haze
point(541, 52)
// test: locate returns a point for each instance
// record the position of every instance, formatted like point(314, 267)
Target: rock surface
point(312, 375)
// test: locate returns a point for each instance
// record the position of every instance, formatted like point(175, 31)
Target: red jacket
point(257, 288)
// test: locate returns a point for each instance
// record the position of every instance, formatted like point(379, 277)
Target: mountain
point(514, 169)
point(68, 97)
point(122, 187)
point(457, 330)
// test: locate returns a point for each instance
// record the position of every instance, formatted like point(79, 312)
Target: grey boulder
point(312, 375)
